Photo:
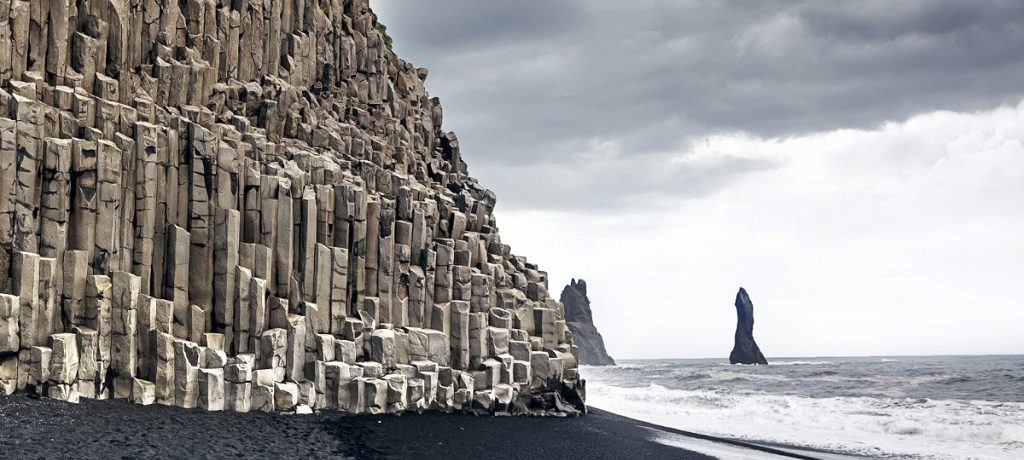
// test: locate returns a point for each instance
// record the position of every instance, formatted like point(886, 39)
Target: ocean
point(936, 407)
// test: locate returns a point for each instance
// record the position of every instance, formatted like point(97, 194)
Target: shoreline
point(775, 449)
point(781, 450)
point(93, 429)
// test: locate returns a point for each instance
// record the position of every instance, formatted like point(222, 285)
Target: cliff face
point(251, 205)
point(580, 321)
point(745, 350)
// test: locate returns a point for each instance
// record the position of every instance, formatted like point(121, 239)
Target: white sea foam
point(917, 428)
point(726, 375)
point(800, 363)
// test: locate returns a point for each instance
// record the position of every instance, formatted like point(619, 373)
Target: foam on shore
point(919, 428)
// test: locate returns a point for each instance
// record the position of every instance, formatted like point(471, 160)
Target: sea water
point(897, 407)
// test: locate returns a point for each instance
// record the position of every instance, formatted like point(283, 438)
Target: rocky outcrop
point(252, 205)
point(580, 320)
point(745, 350)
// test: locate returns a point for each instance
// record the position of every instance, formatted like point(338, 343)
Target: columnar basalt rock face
point(250, 205)
point(745, 349)
point(580, 321)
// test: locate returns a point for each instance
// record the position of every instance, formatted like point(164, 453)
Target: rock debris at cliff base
point(250, 205)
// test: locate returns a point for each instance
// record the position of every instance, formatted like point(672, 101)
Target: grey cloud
point(595, 186)
point(528, 84)
point(448, 25)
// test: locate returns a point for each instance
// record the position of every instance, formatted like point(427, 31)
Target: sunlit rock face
point(252, 205)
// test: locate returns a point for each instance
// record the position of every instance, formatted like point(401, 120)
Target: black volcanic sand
point(40, 428)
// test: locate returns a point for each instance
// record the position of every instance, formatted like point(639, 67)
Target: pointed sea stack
point(745, 351)
point(580, 321)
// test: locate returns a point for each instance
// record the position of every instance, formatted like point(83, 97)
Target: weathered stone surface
point(48, 318)
point(459, 335)
point(345, 351)
point(383, 349)
point(10, 339)
point(162, 361)
point(143, 392)
point(90, 370)
point(122, 387)
point(262, 398)
point(745, 349)
point(39, 365)
point(238, 396)
point(99, 318)
point(546, 324)
point(580, 320)
point(242, 326)
point(226, 230)
point(63, 392)
point(126, 289)
point(540, 369)
point(25, 281)
point(240, 369)
point(286, 396)
point(211, 389)
point(213, 358)
point(9, 368)
point(186, 374)
point(375, 394)
point(273, 352)
point(63, 358)
point(75, 273)
point(176, 276)
point(428, 345)
point(295, 355)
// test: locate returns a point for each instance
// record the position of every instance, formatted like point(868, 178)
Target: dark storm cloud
point(459, 24)
point(532, 86)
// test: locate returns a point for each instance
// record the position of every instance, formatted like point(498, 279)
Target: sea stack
point(745, 351)
point(580, 320)
point(252, 205)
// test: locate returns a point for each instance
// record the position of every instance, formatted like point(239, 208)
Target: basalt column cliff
point(251, 205)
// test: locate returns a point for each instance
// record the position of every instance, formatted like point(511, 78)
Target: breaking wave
point(708, 399)
point(920, 428)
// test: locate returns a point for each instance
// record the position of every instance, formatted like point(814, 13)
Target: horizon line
point(940, 355)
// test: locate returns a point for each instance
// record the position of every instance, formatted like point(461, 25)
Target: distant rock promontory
point(745, 351)
point(580, 321)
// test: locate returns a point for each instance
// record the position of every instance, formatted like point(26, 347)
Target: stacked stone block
point(252, 205)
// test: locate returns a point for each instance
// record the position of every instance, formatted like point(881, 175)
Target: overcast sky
point(857, 166)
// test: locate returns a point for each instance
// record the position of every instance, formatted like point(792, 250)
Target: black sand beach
point(39, 428)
